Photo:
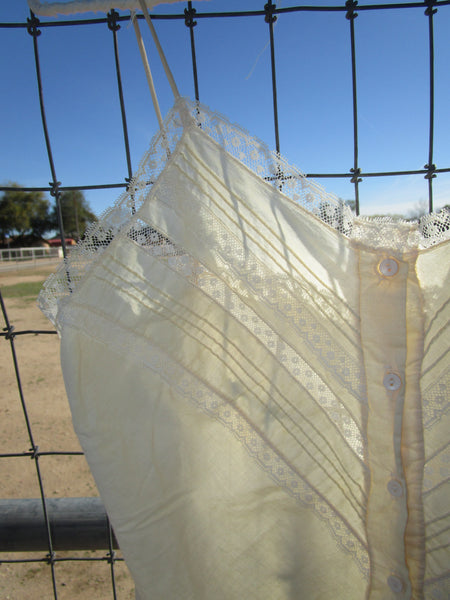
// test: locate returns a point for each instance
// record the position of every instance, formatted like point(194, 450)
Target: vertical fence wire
point(111, 557)
point(114, 27)
point(431, 168)
point(190, 15)
point(270, 18)
point(190, 22)
point(10, 336)
point(351, 16)
point(33, 23)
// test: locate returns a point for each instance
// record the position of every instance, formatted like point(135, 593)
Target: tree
point(420, 209)
point(24, 214)
point(76, 214)
point(350, 203)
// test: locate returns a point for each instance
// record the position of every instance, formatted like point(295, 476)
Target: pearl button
point(395, 488)
point(395, 583)
point(388, 267)
point(392, 382)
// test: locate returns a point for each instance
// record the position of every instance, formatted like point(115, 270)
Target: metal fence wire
point(53, 530)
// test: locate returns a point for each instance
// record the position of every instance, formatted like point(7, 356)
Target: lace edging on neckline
point(383, 232)
point(376, 232)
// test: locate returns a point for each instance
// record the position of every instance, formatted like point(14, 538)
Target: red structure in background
point(56, 242)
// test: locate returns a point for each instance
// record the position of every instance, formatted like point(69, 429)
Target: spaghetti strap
point(162, 56)
point(146, 63)
point(148, 71)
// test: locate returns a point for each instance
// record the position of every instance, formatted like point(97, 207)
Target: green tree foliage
point(419, 210)
point(24, 214)
point(76, 214)
point(29, 215)
point(350, 203)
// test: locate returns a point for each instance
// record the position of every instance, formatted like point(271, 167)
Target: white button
point(395, 488)
point(395, 583)
point(388, 267)
point(392, 382)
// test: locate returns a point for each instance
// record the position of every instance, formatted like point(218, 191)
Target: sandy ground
point(63, 476)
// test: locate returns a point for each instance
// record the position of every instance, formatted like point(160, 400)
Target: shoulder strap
point(146, 64)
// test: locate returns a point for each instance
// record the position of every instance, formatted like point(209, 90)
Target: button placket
point(383, 332)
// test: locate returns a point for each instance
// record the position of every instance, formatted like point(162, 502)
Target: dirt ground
point(63, 476)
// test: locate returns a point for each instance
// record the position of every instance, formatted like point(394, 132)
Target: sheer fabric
point(51, 8)
point(259, 379)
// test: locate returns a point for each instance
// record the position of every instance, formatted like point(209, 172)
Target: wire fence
point(55, 531)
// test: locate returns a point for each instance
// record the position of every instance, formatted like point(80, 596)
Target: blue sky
point(314, 95)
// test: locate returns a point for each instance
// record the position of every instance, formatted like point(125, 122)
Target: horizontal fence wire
point(350, 8)
point(191, 16)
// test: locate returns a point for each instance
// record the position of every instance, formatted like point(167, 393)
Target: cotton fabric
point(259, 379)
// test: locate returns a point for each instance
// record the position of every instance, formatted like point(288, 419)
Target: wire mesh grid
point(39, 454)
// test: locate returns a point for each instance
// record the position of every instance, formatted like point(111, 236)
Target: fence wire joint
point(112, 20)
point(269, 9)
point(54, 191)
point(431, 171)
point(34, 452)
point(33, 24)
point(9, 335)
point(189, 16)
point(356, 175)
point(430, 10)
point(350, 5)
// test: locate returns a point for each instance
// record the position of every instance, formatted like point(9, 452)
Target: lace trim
point(207, 400)
point(377, 233)
point(287, 357)
point(435, 402)
point(290, 300)
point(438, 588)
point(215, 287)
point(399, 235)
